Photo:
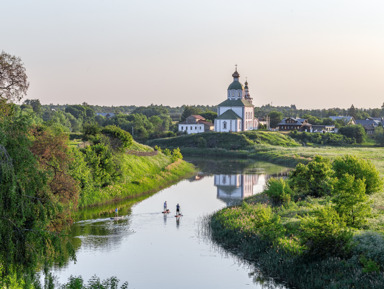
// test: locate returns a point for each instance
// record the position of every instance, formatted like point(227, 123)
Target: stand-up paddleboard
point(166, 211)
point(116, 218)
point(178, 215)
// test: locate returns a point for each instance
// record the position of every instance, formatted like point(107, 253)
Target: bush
point(351, 201)
point(361, 170)
point(176, 155)
point(353, 131)
point(331, 139)
point(371, 245)
point(315, 178)
point(278, 190)
point(325, 234)
point(124, 138)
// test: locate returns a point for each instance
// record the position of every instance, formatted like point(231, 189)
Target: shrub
point(315, 178)
point(353, 131)
point(176, 154)
point(325, 234)
point(371, 245)
point(360, 169)
point(201, 142)
point(351, 201)
point(278, 190)
point(124, 138)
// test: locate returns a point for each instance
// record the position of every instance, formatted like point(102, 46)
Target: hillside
point(227, 141)
point(143, 170)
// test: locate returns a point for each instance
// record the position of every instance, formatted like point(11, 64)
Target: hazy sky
point(315, 54)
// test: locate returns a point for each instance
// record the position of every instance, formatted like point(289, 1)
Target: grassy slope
point(227, 141)
point(142, 174)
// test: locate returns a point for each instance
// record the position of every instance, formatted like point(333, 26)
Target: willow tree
point(28, 207)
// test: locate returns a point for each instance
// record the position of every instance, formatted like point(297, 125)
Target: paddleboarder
point(177, 209)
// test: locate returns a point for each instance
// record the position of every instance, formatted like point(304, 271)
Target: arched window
point(224, 125)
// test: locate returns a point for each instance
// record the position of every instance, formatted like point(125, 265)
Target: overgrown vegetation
point(319, 229)
point(44, 178)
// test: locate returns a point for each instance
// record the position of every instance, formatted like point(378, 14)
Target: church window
point(182, 128)
point(224, 125)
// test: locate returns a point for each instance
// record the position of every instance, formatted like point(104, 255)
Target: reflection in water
point(236, 187)
point(232, 188)
point(139, 243)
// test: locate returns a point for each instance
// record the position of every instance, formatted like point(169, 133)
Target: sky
point(314, 54)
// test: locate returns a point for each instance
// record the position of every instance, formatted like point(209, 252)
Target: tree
point(35, 104)
point(315, 178)
point(352, 111)
point(209, 115)
point(190, 110)
point(361, 170)
point(353, 131)
point(28, 209)
point(379, 135)
point(13, 78)
point(275, 118)
point(351, 201)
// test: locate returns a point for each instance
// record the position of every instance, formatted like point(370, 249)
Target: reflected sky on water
point(150, 249)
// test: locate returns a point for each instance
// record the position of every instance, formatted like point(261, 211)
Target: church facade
point(236, 113)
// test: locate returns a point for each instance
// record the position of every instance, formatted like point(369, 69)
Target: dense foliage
point(310, 230)
point(330, 139)
point(36, 196)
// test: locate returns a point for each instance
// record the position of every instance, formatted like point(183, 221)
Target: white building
point(236, 113)
point(195, 124)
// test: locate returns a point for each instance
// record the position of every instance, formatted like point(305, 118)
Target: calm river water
point(151, 250)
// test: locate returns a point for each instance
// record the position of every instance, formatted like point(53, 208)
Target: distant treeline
point(158, 121)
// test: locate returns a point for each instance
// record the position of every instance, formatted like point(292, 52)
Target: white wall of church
point(248, 118)
point(228, 125)
point(237, 109)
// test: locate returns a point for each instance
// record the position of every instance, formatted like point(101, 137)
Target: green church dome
point(235, 85)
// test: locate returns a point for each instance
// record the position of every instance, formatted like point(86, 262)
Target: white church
point(236, 113)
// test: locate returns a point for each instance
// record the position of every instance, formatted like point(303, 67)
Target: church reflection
point(232, 188)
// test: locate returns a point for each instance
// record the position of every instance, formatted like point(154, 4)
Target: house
point(290, 123)
point(377, 120)
point(347, 120)
point(195, 124)
point(369, 125)
point(323, 128)
point(236, 113)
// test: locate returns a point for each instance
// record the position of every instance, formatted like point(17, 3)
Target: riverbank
point(307, 238)
point(142, 175)
point(268, 146)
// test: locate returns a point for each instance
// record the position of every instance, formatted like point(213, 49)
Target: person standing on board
point(116, 212)
point(165, 206)
point(177, 209)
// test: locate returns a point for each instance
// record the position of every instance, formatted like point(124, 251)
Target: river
point(150, 249)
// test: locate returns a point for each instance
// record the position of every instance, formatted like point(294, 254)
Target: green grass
point(141, 175)
point(227, 141)
point(271, 237)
